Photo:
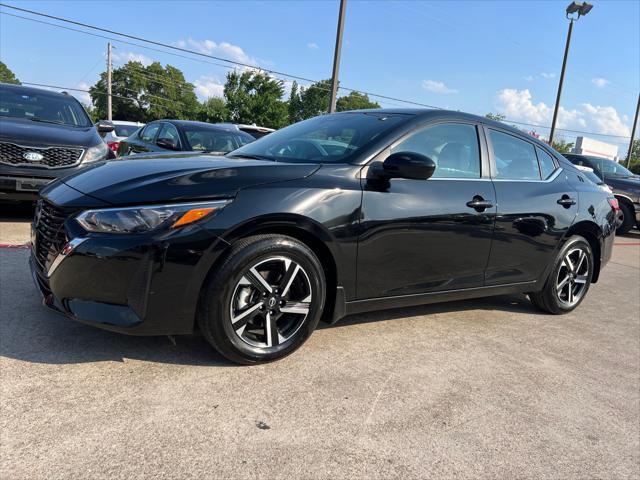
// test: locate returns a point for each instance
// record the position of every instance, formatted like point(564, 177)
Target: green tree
point(355, 101)
point(142, 94)
point(633, 163)
point(562, 146)
point(92, 112)
point(495, 116)
point(254, 97)
point(213, 110)
point(295, 104)
point(315, 99)
point(7, 76)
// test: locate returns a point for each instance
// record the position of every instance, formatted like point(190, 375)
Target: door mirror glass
point(410, 165)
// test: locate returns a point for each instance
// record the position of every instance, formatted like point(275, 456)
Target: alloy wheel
point(270, 302)
point(573, 275)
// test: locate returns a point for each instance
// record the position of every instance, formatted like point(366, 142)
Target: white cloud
point(437, 87)
point(312, 45)
point(518, 105)
point(207, 86)
point(600, 82)
point(529, 78)
point(124, 57)
point(548, 75)
point(84, 97)
point(222, 49)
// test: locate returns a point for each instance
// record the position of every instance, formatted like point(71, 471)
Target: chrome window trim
point(80, 158)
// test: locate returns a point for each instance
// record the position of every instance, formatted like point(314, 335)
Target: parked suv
point(44, 135)
point(624, 183)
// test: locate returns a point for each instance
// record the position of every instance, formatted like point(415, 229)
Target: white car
point(254, 130)
point(121, 131)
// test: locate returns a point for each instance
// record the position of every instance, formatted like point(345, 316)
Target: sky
point(475, 56)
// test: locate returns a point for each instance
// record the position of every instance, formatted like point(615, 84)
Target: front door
point(422, 236)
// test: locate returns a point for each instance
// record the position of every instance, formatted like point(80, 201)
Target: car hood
point(39, 134)
point(631, 182)
point(128, 182)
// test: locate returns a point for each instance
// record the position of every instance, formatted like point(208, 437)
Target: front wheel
point(569, 280)
point(264, 300)
point(626, 219)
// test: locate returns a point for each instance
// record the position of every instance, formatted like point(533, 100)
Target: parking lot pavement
point(486, 388)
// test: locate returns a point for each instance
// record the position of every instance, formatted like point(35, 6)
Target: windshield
point(323, 139)
point(125, 130)
point(42, 107)
point(213, 140)
point(614, 169)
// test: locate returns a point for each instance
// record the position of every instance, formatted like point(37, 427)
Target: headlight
point(147, 218)
point(96, 153)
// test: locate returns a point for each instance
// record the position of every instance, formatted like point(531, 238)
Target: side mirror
point(167, 143)
point(104, 126)
point(411, 165)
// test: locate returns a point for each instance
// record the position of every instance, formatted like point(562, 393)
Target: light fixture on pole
point(574, 11)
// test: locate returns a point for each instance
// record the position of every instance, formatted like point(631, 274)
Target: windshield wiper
point(37, 119)
point(252, 157)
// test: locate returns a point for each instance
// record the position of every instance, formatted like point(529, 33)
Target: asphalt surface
point(487, 388)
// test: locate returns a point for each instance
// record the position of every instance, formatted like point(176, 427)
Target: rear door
point(146, 140)
point(536, 206)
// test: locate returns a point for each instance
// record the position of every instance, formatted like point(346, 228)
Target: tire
point(569, 280)
point(627, 219)
point(244, 320)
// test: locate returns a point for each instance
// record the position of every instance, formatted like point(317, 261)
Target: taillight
point(615, 206)
point(113, 145)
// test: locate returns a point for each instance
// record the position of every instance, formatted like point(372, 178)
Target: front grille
point(50, 235)
point(52, 157)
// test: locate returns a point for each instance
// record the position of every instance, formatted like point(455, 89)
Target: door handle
point(566, 201)
point(479, 204)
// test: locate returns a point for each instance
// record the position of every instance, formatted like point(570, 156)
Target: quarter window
point(515, 158)
point(149, 133)
point(547, 165)
point(452, 146)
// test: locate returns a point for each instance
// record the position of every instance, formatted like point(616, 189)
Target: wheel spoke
point(568, 263)
point(241, 320)
point(289, 276)
point(570, 293)
point(296, 307)
point(271, 331)
point(581, 258)
point(254, 278)
point(562, 284)
point(581, 279)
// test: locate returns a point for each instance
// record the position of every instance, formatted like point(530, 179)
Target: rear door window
point(547, 165)
point(515, 158)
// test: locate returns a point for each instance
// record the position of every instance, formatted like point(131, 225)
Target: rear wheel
point(626, 219)
point(569, 280)
point(264, 300)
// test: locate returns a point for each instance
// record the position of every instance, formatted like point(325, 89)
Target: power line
point(233, 62)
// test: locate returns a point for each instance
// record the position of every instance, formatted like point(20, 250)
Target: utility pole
point(109, 68)
point(633, 132)
point(336, 57)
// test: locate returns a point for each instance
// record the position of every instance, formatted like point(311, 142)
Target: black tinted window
point(204, 138)
point(547, 165)
point(42, 107)
point(453, 147)
point(149, 132)
point(515, 158)
point(125, 130)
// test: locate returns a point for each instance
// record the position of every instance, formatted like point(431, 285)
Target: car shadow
point(16, 212)
point(40, 336)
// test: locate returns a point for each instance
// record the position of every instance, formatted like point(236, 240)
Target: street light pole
point(633, 132)
point(336, 57)
point(109, 68)
point(574, 11)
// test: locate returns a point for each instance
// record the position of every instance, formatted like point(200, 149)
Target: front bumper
point(24, 183)
point(139, 285)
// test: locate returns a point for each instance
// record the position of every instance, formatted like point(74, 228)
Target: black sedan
point(184, 135)
point(336, 215)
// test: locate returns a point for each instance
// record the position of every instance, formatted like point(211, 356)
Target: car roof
point(32, 90)
point(185, 123)
point(124, 122)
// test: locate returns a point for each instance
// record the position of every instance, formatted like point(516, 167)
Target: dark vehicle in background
point(624, 183)
point(44, 135)
point(336, 215)
point(184, 135)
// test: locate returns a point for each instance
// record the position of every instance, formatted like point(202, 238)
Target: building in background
point(589, 146)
